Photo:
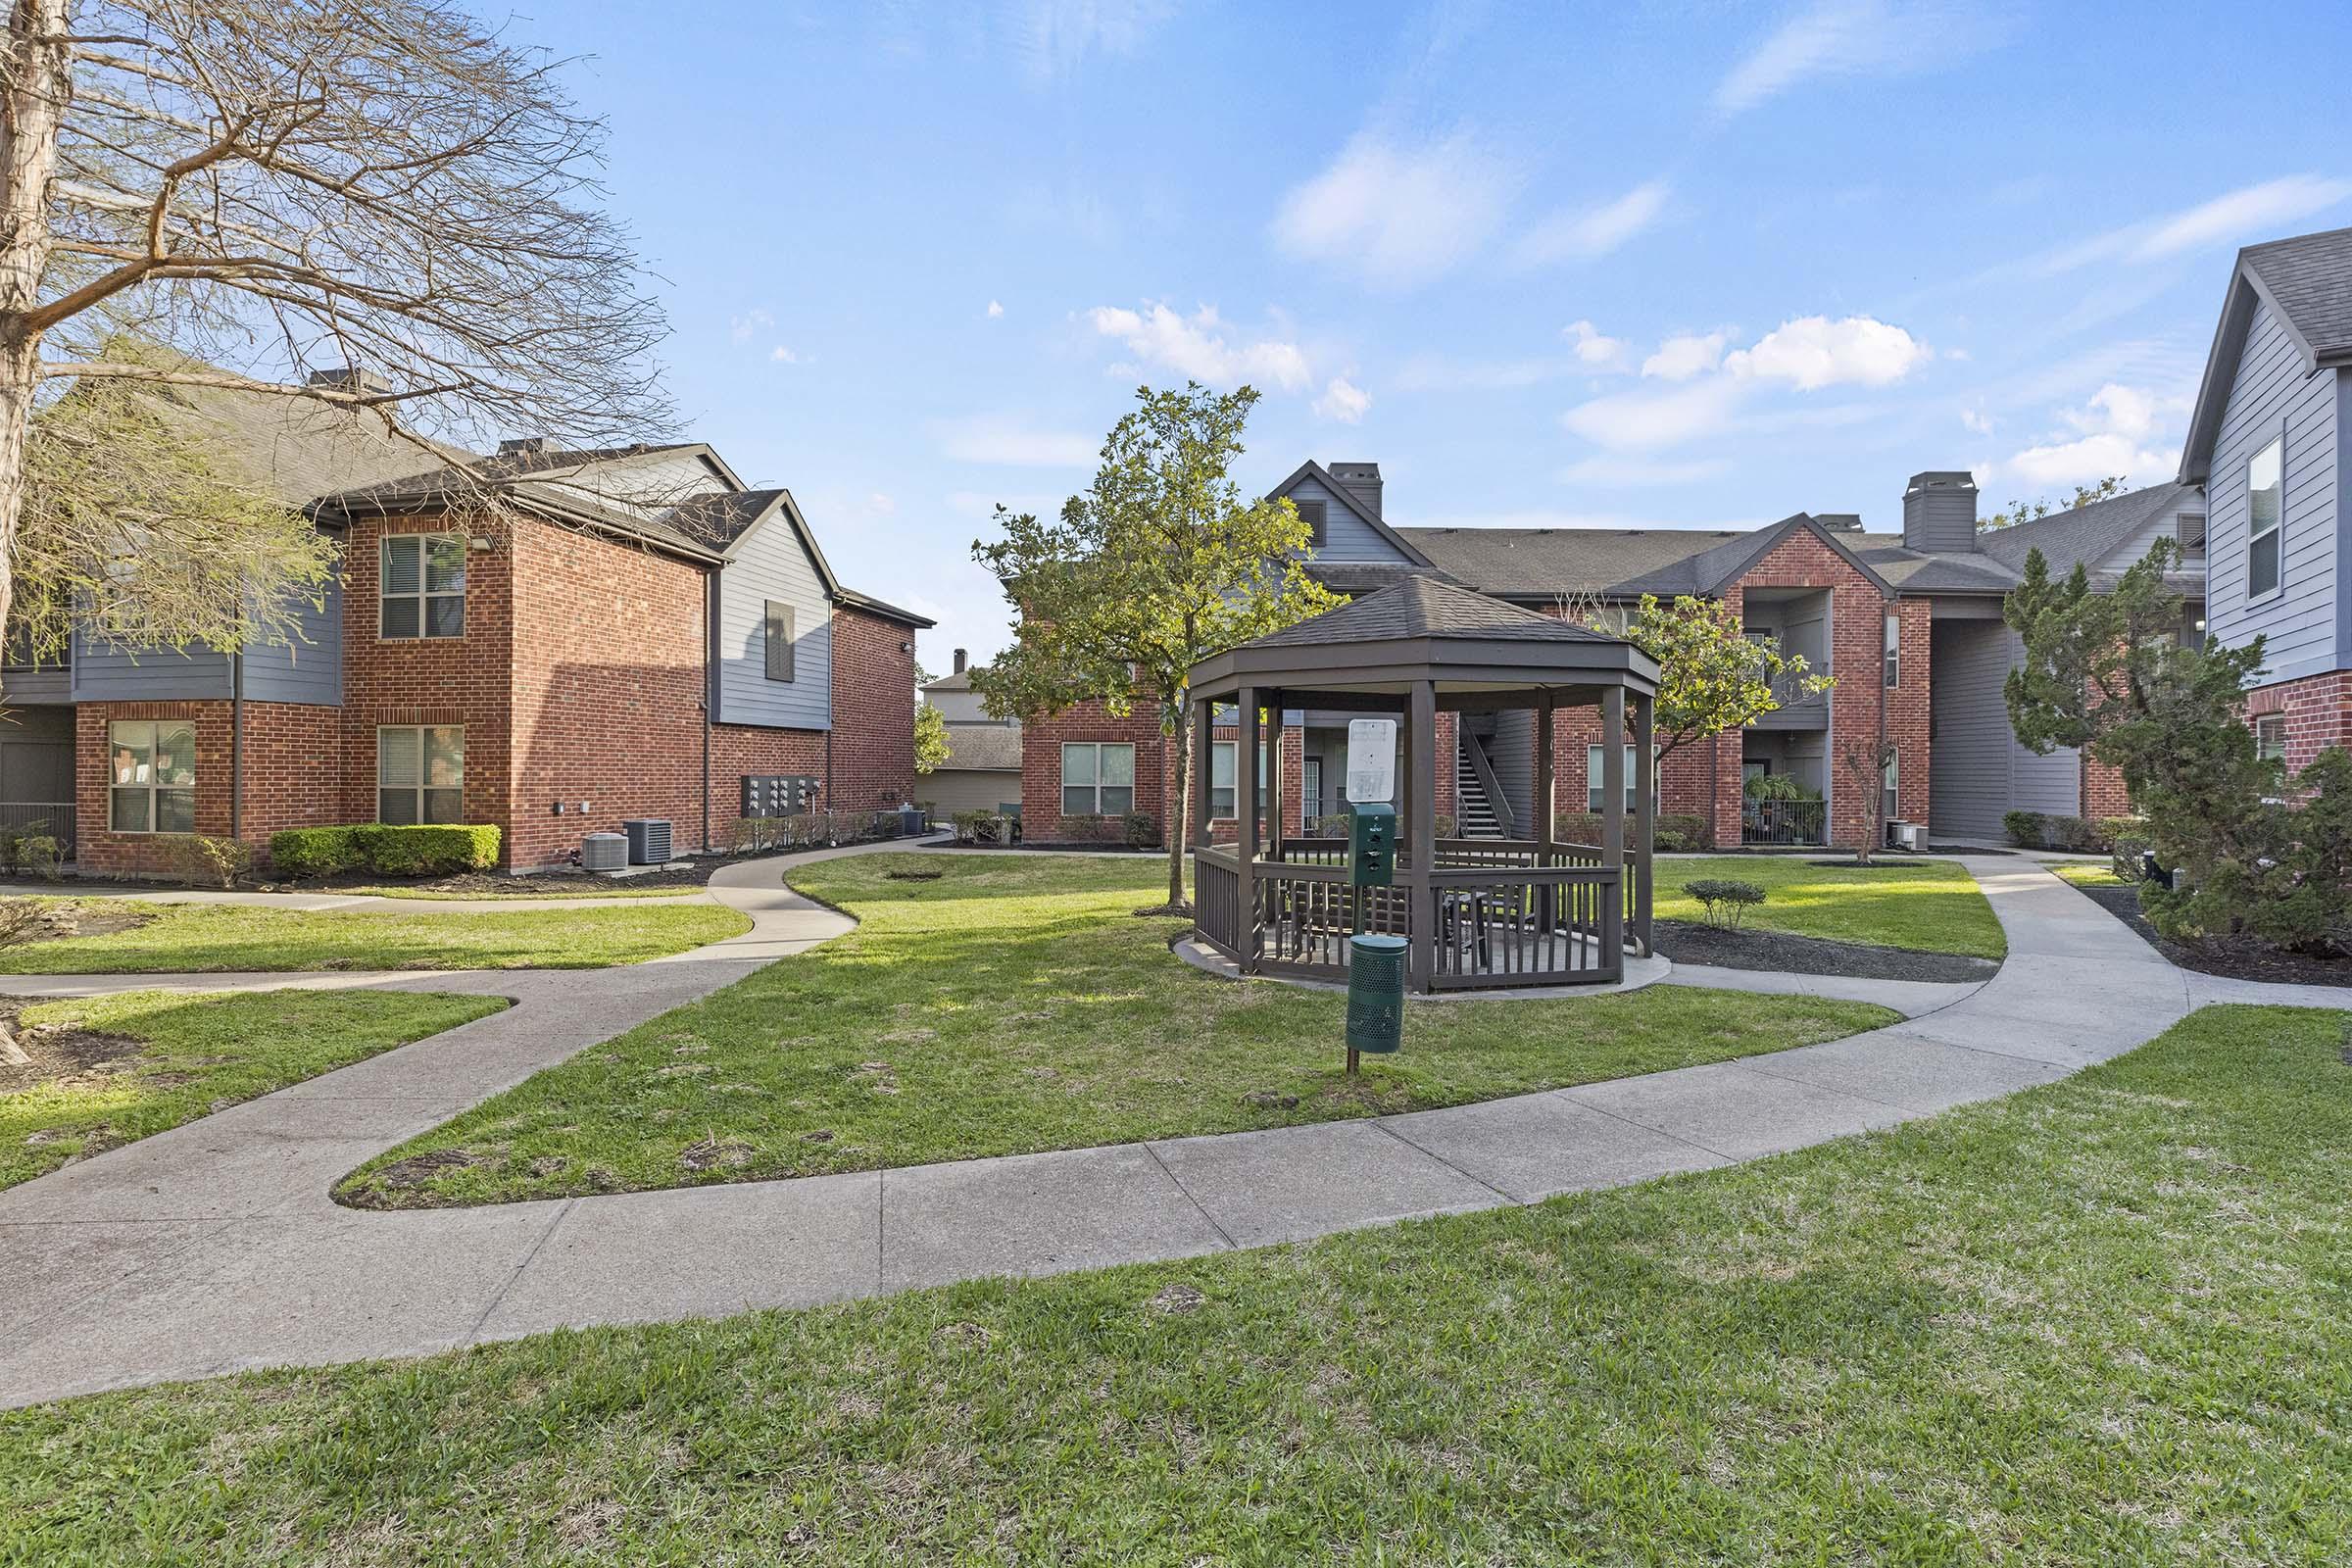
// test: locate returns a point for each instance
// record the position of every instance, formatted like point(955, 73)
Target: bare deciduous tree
point(388, 206)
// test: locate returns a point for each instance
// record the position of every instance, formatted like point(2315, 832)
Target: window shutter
point(780, 641)
point(1313, 513)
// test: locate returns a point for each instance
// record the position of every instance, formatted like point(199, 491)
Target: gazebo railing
point(1493, 925)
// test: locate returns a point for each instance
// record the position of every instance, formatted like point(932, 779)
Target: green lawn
point(519, 888)
point(1018, 1004)
point(2088, 876)
point(2102, 1322)
point(149, 1060)
point(1930, 905)
point(187, 938)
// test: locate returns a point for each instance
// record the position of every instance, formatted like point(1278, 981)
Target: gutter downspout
point(236, 744)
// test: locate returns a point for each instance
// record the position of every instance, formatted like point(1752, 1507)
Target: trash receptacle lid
point(1377, 943)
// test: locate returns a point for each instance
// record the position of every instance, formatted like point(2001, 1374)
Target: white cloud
point(743, 328)
point(995, 310)
point(1976, 421)
point(881, 504)
point(1813, 352)
point(1012, 441)
point(2121, 431)
point(1856, 38)
point(781, 354)
point(1645, 421)
point(2241, 216)
point(1592, 348)
point(1396, 216)
point(1343, 400)
point(1681, 358)
point(1198, 346)
point(1593, 231)
point(1054, 37)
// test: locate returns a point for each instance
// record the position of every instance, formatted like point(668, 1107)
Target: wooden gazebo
point(1475, 911)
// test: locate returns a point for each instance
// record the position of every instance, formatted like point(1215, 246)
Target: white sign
point(1371, 759)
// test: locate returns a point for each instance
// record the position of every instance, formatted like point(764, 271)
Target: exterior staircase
point(1474, 813)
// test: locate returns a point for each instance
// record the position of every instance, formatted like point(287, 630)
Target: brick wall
point(1042, 741)
point(288, 767)
point(873, 711)
point(2318, 709)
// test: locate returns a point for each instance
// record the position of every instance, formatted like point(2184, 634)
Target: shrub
point(196, 858)
point(1777, 786)
point(2288, 885)
point(1142, 831)
point(1680, 832)
point(1576, 828)
point(1726, 900)
point(1444, 826)
point(2024, 828)
point(2110, 830)
point(31, 920)
point(12, 845)
point(2070, 833)
point(427, 850)
point(1334, 826)
point(301, 852)
point(2123, 856)
point(41, 857)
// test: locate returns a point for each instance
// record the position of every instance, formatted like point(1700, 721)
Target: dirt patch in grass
point(413, 1171)
point(1752, 948)
point(2232, 958)
point(61, 1056)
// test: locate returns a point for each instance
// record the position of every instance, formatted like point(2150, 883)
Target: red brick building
point(1906, 625)
point(551, 642)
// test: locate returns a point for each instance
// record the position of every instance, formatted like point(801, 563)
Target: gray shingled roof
point(1423, 606)
point(2310, 276)
point(568, 482)
point(718, 520)
point(961, 681)
point(2089, 535)
point(984, 747)
point(1563, 560)
point(1358, 577)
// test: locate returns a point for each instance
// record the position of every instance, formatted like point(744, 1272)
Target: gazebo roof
point(1422, 629)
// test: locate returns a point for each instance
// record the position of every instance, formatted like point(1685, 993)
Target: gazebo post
point(1421, 831)
point(1612, 821)
point(1544, 777)
point(1244, 810)
point(1646, 815)
point(1274, 801)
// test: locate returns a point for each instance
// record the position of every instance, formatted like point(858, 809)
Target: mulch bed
point(2231, 957)
point(1061, 849)
point(1687, 942)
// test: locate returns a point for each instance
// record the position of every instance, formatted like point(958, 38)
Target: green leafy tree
point(1158, 564)
point(930, 738)
point(2110, 673)
point(1712, 676)
point(2026, 512)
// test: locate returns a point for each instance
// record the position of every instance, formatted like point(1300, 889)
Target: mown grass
point(194, 938)
point(2104, 1321)
point(1018, 1004)
point(2088, 876)
point(1933, 906)
point(184, 1056)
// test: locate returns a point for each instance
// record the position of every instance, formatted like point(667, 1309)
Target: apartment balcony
point(1799, 709)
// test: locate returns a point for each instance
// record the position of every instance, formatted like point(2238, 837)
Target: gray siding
point(954, 789)
point(1345, 536)
point(309, 669)
point(2274, 394)
point(105, 672)
point(771, 564)
point(1512, 751)
point(30, 687)
point(1977, 771)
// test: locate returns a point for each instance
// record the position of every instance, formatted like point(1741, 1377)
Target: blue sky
point(1665, 264)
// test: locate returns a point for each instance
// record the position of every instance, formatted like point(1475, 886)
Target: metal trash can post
point(1375, 995)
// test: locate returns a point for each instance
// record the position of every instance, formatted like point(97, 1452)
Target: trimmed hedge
point(384, 848)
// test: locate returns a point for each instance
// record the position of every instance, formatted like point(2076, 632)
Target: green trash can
point(1374, 992)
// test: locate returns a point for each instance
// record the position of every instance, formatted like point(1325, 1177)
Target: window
point(1894, 807)
point(423, 585)
point(1315, 515)
point(779, 637)
point(2263, 496)
point(1222, 804)
point(152, 786)
point(1895, 652)
point(2270, 737)
point(1593, 780)
point(2188, 532)
point(420, 773)
point(1098, 778)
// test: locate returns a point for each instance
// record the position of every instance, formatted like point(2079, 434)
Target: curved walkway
point(215, 1247)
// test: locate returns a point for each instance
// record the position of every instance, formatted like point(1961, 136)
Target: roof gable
point(1310, 468)
point(2306, 283)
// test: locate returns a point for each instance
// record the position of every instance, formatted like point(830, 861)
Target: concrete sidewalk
point(215, 1247)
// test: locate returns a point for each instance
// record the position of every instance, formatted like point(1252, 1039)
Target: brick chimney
point(960, 659)
point(1939, 511)
point(1361, 481)
point(343, 378)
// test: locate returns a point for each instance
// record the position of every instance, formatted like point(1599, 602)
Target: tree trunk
point(36, 81)
point(1173, 811)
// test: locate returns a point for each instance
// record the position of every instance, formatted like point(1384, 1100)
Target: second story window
point(2264, 493)
point(776, 637)
point(423, 585)
point(1895, 652)
point(1316, 515)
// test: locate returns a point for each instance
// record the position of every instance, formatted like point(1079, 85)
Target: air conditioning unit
point(1907, 835)
point(648, 840)
point(604, 851)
